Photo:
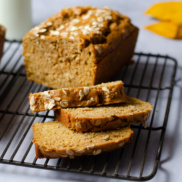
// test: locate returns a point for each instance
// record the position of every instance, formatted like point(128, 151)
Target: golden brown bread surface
point(54, 140)
point(105, 117)
point(79, 46)
point(2, 39)
point(102, 94)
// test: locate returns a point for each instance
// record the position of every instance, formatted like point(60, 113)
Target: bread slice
point(54, 140)
point(105, 117)
point(102, 94)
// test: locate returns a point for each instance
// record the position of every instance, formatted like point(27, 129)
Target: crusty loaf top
point(89, 25)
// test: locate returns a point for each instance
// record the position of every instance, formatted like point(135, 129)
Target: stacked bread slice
point(54, 140)
point(89, 120)
point(102, 94)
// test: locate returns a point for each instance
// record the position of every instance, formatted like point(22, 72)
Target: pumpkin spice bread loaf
point(102, 94)
point(2, 39)
point(105, 117)
point(54, 140)
point(79, 46)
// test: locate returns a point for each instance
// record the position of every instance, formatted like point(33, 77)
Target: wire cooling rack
point(151, 79)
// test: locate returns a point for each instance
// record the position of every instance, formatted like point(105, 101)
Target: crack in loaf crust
point(79, 46)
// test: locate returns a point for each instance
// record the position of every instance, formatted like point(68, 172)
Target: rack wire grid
point(151, 79)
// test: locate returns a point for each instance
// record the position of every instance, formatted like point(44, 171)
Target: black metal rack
point(151, 78)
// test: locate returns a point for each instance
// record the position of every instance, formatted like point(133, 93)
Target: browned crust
point(38, 153)
point(119, 30)
point(37, 150)
point(72, 98)
point(106, 148)
point(113, 62)
point(95, 97)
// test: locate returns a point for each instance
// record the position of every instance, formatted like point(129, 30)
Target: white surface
point(16, 17)
point(171, 159)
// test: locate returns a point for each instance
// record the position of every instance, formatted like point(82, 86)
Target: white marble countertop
point(148, 42)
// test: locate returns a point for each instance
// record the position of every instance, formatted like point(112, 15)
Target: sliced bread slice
point(102, 94)
point(54, 140)
point(105, 117)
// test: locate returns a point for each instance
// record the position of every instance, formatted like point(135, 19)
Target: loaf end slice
point(102, 94)
point(105, 117)
point(54, 140)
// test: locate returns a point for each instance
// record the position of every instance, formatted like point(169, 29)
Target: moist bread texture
point(105, 117)
point(79, 46)
point(54, 140)
point(102, 94)
point(2, 39)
